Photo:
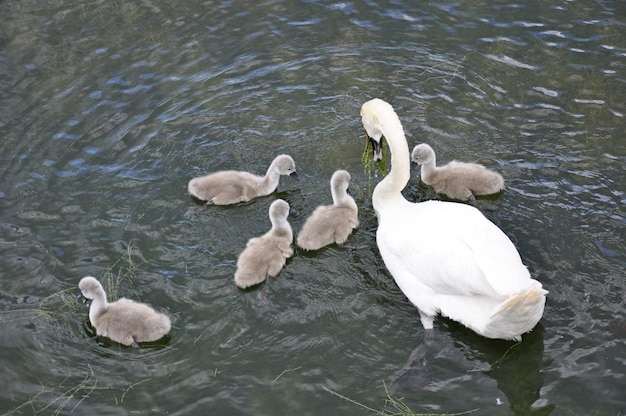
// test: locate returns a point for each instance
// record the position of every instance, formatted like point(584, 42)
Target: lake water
point(109, 108)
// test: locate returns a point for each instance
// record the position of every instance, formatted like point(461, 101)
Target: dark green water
point(108, 108)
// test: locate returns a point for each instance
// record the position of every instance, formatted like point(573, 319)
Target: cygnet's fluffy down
point(457, 180)
point(330, 224)
point(124, 321)
point(266, 255)
point(230, 186)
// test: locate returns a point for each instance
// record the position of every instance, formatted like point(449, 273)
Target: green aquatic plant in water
point(123, 269)
point(373, 168)
point(63, 304)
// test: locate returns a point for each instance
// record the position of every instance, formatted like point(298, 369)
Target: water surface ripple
point(107, 109)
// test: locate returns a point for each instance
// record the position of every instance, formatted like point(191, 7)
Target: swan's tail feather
point(517, 314)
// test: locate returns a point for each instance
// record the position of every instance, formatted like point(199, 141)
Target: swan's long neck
point(388, 191)
point(270, 181)
point(98, 305)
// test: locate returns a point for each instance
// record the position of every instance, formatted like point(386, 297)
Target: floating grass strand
point(285, 372)
point(57, 306)
point(79, 392)
point(63, 305)
point(354, 402)
point(112, 280)
point(399, 408)
point(69, 394)
point(131, 387)
point(505, 356)
point(435, 68)
point(29, 402)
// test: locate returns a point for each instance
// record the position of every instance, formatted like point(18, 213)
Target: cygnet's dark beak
point(295, 175)
point(377, 149)
point(414, 165)
point(81, 298)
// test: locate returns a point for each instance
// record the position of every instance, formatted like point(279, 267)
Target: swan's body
point(231, 186)
point(124, 321)
point(447, 257)
point(266, 255)
point(457, 180)
point(330, 224)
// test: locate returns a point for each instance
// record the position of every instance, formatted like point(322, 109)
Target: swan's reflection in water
point(516, 367)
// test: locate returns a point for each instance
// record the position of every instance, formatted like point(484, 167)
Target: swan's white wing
point(451, 249)
point(494, 253)
point(441, 265)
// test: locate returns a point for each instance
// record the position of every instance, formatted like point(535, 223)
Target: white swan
point(330, 224)
point(457, 180)
point(124, 321)
point(447, 257)
point(266, 255)
point(231, 186)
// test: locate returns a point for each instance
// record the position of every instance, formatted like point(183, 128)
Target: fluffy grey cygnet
point(230, 186)
point(330, 224)
point(266, 255)
point(124, 321)
point(457, 180)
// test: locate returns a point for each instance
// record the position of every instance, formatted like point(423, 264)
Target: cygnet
point(124, 321)
point(457, 180)
point(230, 187)
point(266, 255)
point(330, 224)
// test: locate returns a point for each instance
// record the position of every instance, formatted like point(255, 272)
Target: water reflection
point(517, 368)
point(519, 373)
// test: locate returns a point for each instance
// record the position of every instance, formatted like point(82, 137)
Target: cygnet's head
point(286, 166)
point(422, 154)
point(193, 188)
point(340, 180)
point(279, 209)
point(89, 286)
